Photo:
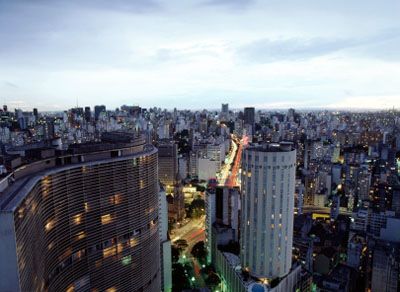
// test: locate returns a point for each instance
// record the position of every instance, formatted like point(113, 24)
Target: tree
point(175, 253)
point(181, 244)
point(197, 208)
point(213, 280)
point(200, 188)
point(199, 251)
point(179, 279)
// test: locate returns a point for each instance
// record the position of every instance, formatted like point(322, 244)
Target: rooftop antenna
point(77, 103)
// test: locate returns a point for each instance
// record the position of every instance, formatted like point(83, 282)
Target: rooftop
point(16, 184)
point(271, 147)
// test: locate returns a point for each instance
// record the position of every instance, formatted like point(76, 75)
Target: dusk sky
point(198, 54)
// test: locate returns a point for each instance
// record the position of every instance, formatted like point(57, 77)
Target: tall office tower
point(249, 117)
point(268, 186)
point(97, 110)
point(85, 220)
point(167, 162)
point(88, 113)
point(225, 108)
point(48, 129)
point(36, 114)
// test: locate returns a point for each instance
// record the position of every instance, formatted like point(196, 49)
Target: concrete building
point(165, 257)
point(167, 163)
point(268, 186)
point(222, 206)
point(206, 168)
point(386, 268)
point(249, 118)
point(87, 219)
point(97, 110)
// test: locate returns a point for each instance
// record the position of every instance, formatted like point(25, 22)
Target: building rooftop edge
point(16, 190)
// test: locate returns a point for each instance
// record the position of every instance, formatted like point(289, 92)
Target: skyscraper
point(167, 162)
point(249, 117)
point(88, 113)
point(97, 110)
point(36, 114)
point(225, 108)
point(268, 186)
point(84, 220)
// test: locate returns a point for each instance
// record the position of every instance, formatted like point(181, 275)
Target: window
point(77, 219)
point(105, 219)
point(109, 251)
point(49, 225)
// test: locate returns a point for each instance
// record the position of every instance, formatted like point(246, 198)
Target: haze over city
point(198, 54)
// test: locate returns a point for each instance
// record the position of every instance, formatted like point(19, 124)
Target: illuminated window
point(70, 288)
point(49, 225)
point(80, 235)
point(116, 199)
point(86, 207)
point(112, 289)
point(105, 219)
point(50, 246)
point(120, 248)
point(126, 260)
point(133, 242)
point(21, 213)
point(77, 219)
point(98, 263)
point(34, 206)
point(109, 251)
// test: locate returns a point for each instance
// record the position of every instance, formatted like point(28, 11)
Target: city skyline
point(264, 54)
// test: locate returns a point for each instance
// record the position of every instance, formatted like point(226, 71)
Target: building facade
point(80, 222)
point(268, 186)
point(168, 163)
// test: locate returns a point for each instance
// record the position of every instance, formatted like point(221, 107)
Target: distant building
point(249, 117)
point(225, 108)
point(97, 110)
point(167, 163)
point(88, 114)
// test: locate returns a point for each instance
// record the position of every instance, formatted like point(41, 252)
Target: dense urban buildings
point(230, 199)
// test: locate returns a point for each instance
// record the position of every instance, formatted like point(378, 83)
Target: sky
point(197, 54)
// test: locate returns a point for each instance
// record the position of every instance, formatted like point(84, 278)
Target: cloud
point(233, 4)
point(10, 84)
point(381, 45)
point(133, 6)
point(266, 50)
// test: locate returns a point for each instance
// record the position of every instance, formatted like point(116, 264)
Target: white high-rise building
point(268, 187)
